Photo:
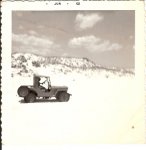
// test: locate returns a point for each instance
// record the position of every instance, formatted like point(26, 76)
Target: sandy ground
point(100, 110)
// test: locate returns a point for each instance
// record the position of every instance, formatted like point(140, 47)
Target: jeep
point(43, 90)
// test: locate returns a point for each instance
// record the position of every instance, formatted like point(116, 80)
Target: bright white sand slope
point(100, 110)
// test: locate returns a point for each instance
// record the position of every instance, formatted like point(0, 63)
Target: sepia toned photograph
point(73, 79)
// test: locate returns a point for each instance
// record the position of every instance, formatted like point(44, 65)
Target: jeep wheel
point(23, 91)
point(31, 97)
point(63, 96)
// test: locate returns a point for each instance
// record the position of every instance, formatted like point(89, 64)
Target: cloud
point(19, 14)
point(87, 21)
point(93, 44)
point(65, 54)
point(40, 27)
point(20, 27)
point(32, 43)
point(131, 37)
point(32, 32)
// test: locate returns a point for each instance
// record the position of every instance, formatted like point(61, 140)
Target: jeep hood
point(59, 87)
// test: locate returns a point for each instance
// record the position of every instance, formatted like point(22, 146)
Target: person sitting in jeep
point(45, 83)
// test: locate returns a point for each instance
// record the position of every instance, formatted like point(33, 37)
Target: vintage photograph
point(73, 78)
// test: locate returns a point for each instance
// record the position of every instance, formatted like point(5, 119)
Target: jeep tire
point(63, 96)
point(23, 91)
point(30, 98)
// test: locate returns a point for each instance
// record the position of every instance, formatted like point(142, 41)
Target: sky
point(105, 37)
